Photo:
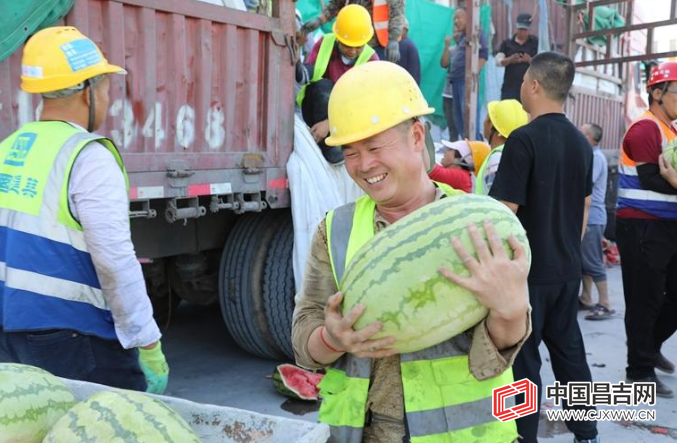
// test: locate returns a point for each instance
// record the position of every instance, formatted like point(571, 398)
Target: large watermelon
point(395, 275)
point(670, 153)
point(31, 401)
point(297, 383)
point(124, 417)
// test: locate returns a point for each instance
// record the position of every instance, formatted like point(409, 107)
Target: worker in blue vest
point(73, 299)
point(331, 57)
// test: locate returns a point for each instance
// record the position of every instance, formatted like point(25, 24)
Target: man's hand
point(525, 58)
point(447, 42)
point(342, 336)
point(154, 367)
point(667, 171)
point(320, 130)
point(498, 282)
point(311, 25)
point(515, 58)
point(393, 51)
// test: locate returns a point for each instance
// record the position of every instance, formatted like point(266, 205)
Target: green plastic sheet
point(21, 19)
point(429, 24)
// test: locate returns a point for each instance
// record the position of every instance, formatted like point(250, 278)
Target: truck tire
point(241, 283)
point(279, 287)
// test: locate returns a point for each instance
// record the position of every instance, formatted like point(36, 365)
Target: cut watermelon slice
point(294, 382)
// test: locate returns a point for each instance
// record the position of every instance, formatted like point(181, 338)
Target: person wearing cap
point(387, 17)
point(464, 158)
point(73, 299)
point(332, 56)
point(503, 117)
point(545, 177)
point(646, 231)
point(375, 114)
point(515, 54)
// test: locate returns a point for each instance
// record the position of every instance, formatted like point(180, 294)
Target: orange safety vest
point(631, 194)
point(380, 17)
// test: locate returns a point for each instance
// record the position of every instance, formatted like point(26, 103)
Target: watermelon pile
point(31, 401)
point(121, 416)
point(395, 275)
point(297, 383)
point(37, 407)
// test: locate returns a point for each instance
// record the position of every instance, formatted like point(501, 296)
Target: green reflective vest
point(48, 280)
point(480, 179)
point(444, 402)
point(322, 61)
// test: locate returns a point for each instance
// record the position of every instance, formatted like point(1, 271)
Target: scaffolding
point(617, 50)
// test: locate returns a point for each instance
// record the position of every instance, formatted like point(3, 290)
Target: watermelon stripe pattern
point(396, 274)
point(31, 401)
point(121, 416)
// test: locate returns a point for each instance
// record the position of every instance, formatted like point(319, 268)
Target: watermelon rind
point(670, 152)
point(31, 401)
point(121, 416)
point(284, 384)
point(396, 274)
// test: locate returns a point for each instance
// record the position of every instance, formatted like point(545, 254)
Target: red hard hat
point(665, 72)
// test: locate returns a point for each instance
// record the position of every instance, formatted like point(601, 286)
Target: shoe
point(662, 390)
point(332, 154)
point(590, 440)
point(663, 364)
point(599, 312)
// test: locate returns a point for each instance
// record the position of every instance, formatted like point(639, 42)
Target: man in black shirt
point(545, 177)
point(515, 54)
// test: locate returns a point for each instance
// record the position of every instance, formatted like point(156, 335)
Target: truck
point(204, 123)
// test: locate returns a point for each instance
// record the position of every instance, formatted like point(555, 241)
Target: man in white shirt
point(72, 295)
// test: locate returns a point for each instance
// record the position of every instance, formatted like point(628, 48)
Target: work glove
point(393, 51)
point(155, 369)
point(430, 147)
point(311, 25)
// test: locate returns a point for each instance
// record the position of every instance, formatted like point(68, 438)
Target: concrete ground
point(208, 367)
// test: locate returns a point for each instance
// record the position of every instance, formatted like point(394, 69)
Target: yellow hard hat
point(61, 57)
point(507, 115)
point(371, 98)
point(353, 26)
point(480, 151)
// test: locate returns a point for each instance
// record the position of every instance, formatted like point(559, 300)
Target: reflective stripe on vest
point(479, 181)
point(631, 194)
point(322, 62)
point(380, 17)
point(443, 400)
point(47, 278)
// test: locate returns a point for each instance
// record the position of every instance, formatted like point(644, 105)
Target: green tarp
point(21, 19)
point(429, 24)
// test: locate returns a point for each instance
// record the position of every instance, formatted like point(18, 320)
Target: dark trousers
point(315, 106)
point(648, 250)
point(459, 111)
point(448, 105)
point(72, 355)
point(554, 321)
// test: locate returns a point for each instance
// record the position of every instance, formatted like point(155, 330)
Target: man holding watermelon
point(374, 114)
point(73, 299)
point(646, 230)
